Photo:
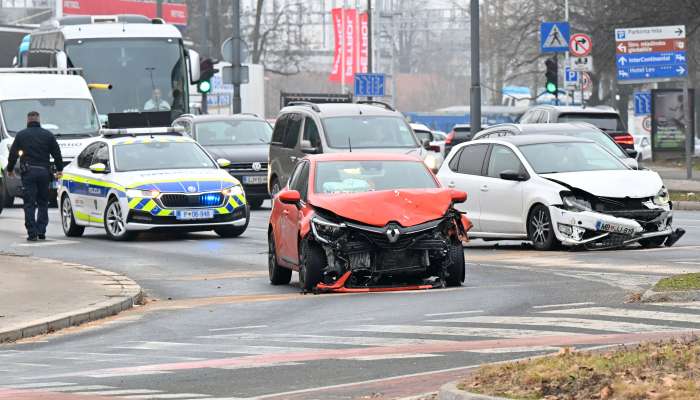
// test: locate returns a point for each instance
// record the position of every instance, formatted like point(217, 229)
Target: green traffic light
point(204, 87)
point(551, 87)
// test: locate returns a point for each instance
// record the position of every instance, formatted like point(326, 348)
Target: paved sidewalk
point(675, 178)
point(40, 295)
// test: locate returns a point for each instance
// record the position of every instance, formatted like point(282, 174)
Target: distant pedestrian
point(34, 146)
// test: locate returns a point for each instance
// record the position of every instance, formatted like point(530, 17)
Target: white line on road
point(153, 345)
point(45, 243)
point(40, 385)
point(238, 327)
point(120, 392)
point(457, 331)
point(124, 373)
point(166, 396)
point(578, 323)
point(454, 313)
point(585, 303)
point(507, 350)
point(319, 339)
point(399, 356)
point(630, 313)
point(75, 388)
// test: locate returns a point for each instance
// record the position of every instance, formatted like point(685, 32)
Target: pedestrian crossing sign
point(554, 37)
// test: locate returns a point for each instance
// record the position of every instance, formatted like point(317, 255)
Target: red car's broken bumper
point(339, 287)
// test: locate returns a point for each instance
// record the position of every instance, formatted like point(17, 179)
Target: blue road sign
point(651, 54)
point(656, 59)
point(650, 73)
point(367, 85)
point(570, 77)
point(642, 103)
point(554, 37)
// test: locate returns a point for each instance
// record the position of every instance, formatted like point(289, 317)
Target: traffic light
point(552, 75)
point(206, 72)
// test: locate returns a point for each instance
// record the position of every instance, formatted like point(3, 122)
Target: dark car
point(243, 139)
point(460, 133)
point(604, 118)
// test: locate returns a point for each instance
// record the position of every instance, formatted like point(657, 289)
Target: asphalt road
point(216, 329)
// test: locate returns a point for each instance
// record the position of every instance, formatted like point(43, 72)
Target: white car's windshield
point(550, 158)
point(365, 176)
point(233, 132)
point(160, 155)
point(64, 117)
point(366, 132)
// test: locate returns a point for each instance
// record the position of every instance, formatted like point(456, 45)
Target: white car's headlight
point(574, 203)
point(662, 198)
point(236, 190)
point(147, 194)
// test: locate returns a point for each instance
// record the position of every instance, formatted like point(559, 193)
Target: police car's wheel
point(114, 224)
point(70, 227)
point(230, 231)
point(7, 200)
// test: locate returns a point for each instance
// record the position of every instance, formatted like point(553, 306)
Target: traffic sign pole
point(689, 131)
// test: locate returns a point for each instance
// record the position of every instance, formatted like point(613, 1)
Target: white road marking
point(630, 313)
point(238, 327)
point(153, 345)
point(578, 323)
point(45, 243)
point(267, 365)
point(691, 305)
point(454, 313)
point(166, 396)
point(379, 357)
point(585, 303)
point(457, 331)
point(75, 388)
point(40, 385)
point(242, 349)
point(121, 391)
point(319, 339)
point(125, 373)
point(506, 350)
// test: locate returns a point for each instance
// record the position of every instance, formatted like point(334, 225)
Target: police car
point(131, 180)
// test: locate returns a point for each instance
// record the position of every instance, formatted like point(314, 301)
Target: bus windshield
point(146, 74)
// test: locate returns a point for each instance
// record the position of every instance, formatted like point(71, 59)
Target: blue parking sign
point(369, 85)
point(554, 37)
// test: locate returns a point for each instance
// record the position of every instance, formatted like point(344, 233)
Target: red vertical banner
point(364, 43)
point(350, 42)
point(336, 71)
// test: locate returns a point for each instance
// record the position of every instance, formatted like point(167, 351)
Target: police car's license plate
point(185, 215)
point(255, 180)
point(614, 228)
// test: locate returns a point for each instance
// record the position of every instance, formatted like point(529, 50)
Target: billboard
point(172, 13)
point(351, 44)
point(668, 121)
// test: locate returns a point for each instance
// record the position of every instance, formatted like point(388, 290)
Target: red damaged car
point(366, 222)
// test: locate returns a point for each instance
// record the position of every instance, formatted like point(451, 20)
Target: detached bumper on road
point(598, 230)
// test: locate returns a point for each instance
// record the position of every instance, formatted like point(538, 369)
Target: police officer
point(33, 146)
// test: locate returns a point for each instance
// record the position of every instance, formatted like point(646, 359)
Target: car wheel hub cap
point(540, 225)
point(114, 220)
point(67, 214)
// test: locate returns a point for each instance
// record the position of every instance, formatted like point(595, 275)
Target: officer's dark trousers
point(36, 200)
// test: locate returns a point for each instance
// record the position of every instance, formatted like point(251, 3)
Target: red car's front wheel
point(278, 274)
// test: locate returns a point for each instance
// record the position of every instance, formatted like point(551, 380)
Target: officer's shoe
point(42, 237)
point(31, 238)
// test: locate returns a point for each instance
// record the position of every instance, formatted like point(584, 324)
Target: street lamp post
point(475, 104)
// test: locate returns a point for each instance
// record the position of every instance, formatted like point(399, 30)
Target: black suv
point(243, 139)
point(604, 118)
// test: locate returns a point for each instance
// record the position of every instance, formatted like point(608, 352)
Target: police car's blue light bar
point(173, 131)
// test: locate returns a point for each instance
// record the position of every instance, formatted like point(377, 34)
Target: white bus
point(144, 60)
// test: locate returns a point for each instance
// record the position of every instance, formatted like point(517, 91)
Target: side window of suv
point(280, 129)
point(291, 136)
point(311, 133)
point(85, 158)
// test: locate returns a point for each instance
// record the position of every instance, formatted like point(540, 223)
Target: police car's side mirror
point(98, 168)
point(223, 163)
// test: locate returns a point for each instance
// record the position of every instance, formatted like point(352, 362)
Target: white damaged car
point(558, 190)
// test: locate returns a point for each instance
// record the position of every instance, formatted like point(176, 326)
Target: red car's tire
point(312, 260)
point(457, 269)
point(278, 274)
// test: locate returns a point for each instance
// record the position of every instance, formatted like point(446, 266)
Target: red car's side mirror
point(458, 196)
point(289, 197)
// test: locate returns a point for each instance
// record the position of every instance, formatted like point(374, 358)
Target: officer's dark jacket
point(36, 144)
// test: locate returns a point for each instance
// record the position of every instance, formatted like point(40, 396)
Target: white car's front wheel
point(540, 229)
point(114, 223)
point(70, 227)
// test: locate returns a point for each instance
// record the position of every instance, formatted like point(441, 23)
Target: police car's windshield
point(160, 155)
point(65, 117)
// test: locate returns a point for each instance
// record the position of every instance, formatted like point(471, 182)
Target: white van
point(63, 100)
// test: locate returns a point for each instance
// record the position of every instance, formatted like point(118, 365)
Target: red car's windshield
point(366, 176)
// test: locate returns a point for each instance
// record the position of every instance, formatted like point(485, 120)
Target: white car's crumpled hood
point(622, 183)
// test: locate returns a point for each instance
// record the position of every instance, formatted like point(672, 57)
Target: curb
point(682, 296)
point(686, 205)
point(129, 295)
point(449, 391)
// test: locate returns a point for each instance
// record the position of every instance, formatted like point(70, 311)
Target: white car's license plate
point(255, 180)
point(614, 228)
point(187, 215)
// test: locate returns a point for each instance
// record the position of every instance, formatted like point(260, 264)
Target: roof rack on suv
point(133, 132)
point(375, 102)
point(304, 103)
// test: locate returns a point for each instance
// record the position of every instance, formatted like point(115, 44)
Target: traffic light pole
point(236, 56)
point(205, 49)
point(475, 102)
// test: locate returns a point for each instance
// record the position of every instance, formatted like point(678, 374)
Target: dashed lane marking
point(630, 313)
point(166, 396)
point(457, 331)
point(391, 357)
point(454, 313)
point(75, 388)
point(524, 349)
point(238, 328)
point(577, 323)
point(121, 392)
point(586, 303)
point(41, 385)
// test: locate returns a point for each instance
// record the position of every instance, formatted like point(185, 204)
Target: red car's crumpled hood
point(408, 207)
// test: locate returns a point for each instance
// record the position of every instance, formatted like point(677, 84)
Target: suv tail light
point(450, 137)
point(624, 139)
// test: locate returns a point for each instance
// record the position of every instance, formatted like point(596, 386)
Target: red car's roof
point(360, 156)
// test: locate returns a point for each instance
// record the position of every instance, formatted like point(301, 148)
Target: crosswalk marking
point(152, 345)
point(692, 306)
point(454, 313)
point(400, 356)
point(579, 323)
point(506, 350)
point(320, 339)
point(630, 313)
point(75, 388)
point(123, 373)
point(586, 303)
point(166, 396)
point(40, 385)
point(121, 391)
point(457, 331)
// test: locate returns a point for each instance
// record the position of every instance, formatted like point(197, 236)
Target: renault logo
point(257, 166)
point(393, 233)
